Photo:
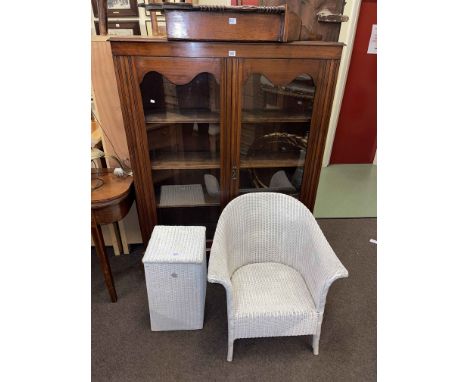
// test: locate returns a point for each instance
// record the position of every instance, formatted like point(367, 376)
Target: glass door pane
point(183, 127)
point(274, 132)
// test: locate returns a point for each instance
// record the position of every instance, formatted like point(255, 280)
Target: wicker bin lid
point(176, 244)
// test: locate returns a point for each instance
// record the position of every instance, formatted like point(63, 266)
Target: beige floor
point(347, 191)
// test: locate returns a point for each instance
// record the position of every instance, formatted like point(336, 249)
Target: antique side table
point(109, 204)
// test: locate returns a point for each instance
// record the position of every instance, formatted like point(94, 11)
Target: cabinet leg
point(96, 233)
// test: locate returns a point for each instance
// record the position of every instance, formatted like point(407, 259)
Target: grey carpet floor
point(123, 347)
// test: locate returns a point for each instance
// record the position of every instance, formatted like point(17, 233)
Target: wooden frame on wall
point(131, 28)
point(167, 1)
point(118, 8)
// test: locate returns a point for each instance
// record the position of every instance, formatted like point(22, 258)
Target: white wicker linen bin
point(175, 271)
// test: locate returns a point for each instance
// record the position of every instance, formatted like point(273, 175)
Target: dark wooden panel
point(224, 141)
point(280, 71)
point(180, 71)
point(237, 69)
point(208, 26)
point(115, 211)
point(101, 13)
point(135, 129)
point(318, 134)
point(148, 46)
point(308, 10)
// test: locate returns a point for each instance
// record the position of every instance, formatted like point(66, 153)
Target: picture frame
point(121, 28)
point(158, 13)
point(118, 8)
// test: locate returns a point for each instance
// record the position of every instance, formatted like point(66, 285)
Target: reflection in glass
point(183, 127)
point(275, 124)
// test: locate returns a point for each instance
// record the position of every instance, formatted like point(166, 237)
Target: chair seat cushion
point(271, 299)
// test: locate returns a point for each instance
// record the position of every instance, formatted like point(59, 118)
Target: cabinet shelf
point(297, 92)
point(266, 161)
point(185, 161)
point(207, 116)
point(271, 116)
point(202, 161)
point(185, 116)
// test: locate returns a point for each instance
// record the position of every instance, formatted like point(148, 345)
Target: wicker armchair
point(276, 266)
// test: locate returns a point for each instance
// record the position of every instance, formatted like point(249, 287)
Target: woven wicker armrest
point(326, 269)
point(218, 273)
point(218, 270)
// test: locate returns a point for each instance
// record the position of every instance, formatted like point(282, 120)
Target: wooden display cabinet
point(206, 122)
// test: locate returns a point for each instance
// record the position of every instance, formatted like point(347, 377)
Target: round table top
point(114, 188)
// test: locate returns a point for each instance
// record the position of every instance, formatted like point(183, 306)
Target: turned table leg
point(96, 232)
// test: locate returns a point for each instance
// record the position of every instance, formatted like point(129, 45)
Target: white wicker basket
point(182, 195)
point(175, 270)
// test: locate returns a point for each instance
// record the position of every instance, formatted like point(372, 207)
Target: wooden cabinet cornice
point(154, 46)
point(206, 122)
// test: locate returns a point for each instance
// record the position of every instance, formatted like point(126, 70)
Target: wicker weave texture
point(278, 233)
point(274, 299)
point(176, 290)
point(182, 195)
point(176, 244)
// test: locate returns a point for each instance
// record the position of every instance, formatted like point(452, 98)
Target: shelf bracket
point(325, 16)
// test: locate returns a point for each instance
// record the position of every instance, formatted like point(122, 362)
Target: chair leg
point(315, 343)
point(230, 350)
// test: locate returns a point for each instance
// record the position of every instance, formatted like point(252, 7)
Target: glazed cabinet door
point(275, 134)
point(178, 147)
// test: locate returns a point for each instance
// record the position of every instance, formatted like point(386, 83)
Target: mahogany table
point(109, 204)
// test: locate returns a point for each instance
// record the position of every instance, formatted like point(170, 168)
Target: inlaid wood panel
point(135, 128)
point(280, 71)
point(150, 46)
point(181, 71)
point(320, 119)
